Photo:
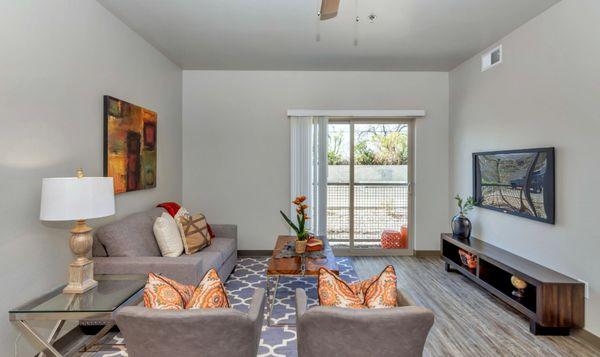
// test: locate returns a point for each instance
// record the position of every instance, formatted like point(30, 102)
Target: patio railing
point(377, 207)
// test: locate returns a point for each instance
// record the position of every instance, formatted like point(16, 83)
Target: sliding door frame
point(352, 250)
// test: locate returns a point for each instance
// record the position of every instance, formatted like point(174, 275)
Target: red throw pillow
point(171, 207)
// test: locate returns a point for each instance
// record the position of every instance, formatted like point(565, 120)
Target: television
point(517, 182)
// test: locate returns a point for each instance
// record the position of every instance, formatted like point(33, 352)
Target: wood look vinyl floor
point(468, 320)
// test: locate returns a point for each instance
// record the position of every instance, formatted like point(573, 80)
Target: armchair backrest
point(182, 333)
point(332, 331)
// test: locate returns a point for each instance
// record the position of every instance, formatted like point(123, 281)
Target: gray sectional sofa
point(128, 246)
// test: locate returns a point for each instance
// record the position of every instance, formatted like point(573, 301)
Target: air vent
point(491, 59)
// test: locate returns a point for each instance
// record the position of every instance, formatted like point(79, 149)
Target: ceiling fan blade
point(329, 9)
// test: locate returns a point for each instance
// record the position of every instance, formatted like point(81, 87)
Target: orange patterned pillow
point(160, 294)
point(382, 292)
point(333, 291)
point(360, 287)
point(210, 293)
point(186, 291)
point(376, 292)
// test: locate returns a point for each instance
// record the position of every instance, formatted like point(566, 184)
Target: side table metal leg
point(92, 341)
point(55, 331)
point(35, 339)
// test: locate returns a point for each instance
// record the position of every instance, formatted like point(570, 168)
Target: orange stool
point(391, 239)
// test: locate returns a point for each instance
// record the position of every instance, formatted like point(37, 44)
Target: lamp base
point(80, 278)
point(81, 270)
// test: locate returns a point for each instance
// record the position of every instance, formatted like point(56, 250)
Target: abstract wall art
point(129, 145)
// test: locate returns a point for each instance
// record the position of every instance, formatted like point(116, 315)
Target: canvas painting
point(129, 145)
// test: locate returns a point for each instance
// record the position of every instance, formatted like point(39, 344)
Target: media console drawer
point(553, 302)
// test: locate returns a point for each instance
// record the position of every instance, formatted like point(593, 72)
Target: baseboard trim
point(427, 253)
point(255, 253)
point(588, 337)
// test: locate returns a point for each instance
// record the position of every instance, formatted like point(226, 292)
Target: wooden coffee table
point(298, 266)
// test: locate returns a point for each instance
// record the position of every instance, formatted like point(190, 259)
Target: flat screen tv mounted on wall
point(517, 182)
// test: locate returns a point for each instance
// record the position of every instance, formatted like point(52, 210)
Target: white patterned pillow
point(167, 236)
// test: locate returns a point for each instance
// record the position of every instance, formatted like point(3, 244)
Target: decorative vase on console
point(302, 233)
point(461, 225)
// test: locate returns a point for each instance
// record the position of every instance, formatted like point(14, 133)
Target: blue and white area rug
point(249, 275)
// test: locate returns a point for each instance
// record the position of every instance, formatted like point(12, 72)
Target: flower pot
point(300, 246)
point(461, 226)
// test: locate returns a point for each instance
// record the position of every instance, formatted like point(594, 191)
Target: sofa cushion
point(186, 269)
point(223, 246)
point(131, 236)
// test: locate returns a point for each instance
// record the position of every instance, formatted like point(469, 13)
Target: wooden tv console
point(553, 302)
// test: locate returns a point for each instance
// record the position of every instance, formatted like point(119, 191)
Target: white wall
point(236, 141)
point(57, 59)
point(545, 93)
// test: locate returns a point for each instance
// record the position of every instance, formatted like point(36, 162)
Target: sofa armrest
point(185, 269)
point(256, 312)
point(404, 300)
point(225, 230)
point(257, 306)
point(301, 302)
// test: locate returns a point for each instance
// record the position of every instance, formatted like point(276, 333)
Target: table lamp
point(77, 199)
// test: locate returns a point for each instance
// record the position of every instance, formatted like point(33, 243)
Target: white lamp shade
point(73, 198)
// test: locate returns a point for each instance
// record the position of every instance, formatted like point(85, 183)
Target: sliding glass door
point(369, 180)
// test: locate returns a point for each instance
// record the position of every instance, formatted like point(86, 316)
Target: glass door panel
point(380, 208)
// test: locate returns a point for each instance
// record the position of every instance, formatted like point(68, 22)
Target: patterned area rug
point(248, 275)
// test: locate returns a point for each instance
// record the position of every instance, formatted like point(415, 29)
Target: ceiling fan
point(329, 9)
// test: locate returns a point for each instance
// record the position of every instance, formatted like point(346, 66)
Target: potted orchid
point(302, 233)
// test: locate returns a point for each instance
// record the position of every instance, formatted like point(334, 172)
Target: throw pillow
point(333, 291)
point(171, 207)
point(159, 294)
point(210, 293)
point(167, 236)
point(186, 291)
point(194, 232)
point(182, 212)
point(376, 292)
point(131, 236)
point(382, 292)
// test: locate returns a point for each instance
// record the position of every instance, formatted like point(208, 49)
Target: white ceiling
point(407, 35)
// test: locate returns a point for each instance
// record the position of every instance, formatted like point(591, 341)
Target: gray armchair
point(182, 333)
point(334, 331)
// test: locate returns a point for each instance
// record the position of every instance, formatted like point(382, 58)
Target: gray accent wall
point(546, 92)
point(57, 59)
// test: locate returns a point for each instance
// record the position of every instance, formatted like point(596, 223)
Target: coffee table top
point(293, 266)
point(112, 291)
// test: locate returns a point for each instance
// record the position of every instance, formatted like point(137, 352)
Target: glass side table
point(112, 293)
